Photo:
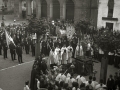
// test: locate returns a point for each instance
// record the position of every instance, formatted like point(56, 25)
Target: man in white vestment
point(79, 51)
point(57, 49)
point(70, 52)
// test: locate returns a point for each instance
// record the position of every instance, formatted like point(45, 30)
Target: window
point(110, 13)
point(110, 8)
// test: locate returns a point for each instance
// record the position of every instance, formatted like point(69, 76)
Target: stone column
point(38, 9)
point(50, 10)
point(34, 6)
point(63, 11)
point(20, 9)
point(29, 10)
point(16, 9)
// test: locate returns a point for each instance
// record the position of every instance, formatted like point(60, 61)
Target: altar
point(83, 66)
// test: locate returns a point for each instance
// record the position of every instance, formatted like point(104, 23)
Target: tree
point(39, 27)
point(83, 27)
point(108, 42)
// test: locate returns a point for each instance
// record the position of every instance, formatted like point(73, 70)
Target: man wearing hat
point(19, 53)
point(12, 51)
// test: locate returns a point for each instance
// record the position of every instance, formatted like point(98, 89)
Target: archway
point(43, 8)
point(69, 10)
point(56, 9)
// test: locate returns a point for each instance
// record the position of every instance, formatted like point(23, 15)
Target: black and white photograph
point(59, 44)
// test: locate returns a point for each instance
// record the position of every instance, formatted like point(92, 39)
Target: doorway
point(109, 26)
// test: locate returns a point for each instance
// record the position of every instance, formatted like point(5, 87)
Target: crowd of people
point(21, 41)
point(50, 73)
point(56, 78)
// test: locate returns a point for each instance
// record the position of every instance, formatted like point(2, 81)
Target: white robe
point(56, 55)
point(51, 59)
point(69, 54)
point(79, 80)
point(63, 77)
point(62, 49)
point(58, 78)
point(79, 51)
point(64, 58)
point(59, 58)
point(64, 55)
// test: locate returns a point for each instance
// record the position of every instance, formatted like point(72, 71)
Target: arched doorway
point(23, 9)
point(43, 8)
point(69, 10)
point(56, 9)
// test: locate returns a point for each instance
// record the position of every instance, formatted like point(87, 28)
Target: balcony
point(110, 18)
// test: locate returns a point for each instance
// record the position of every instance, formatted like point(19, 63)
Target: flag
point(8, 38)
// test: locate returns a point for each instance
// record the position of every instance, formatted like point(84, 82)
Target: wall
point(103, 12)
point(83, 9)
point(10, 5)
point(1, 2)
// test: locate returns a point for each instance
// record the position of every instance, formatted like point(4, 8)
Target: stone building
point(109, 14)
point(1, 3)
point(9, 4)
point(59, 9)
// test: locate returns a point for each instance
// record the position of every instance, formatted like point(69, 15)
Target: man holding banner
point(8, 38)
point(9, 44)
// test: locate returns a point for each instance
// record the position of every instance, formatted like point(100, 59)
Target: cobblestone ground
point(12, 75)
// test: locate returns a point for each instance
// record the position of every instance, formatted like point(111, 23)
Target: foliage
point(37, 26)
point(107, 40)
point(82, 26)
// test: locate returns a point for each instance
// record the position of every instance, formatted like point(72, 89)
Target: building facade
point(109, 14)
point(59, 9)
point(1, 3)
point(8, 4)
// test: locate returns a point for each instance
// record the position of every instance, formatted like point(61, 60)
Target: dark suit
point(110, 84)
point(27, 47)
point(43, 67)
point(12, 51)
point(5, 48)
point(33, 49)
point(74, 47)
point(44, 48)
point(19, 53)
point(0, 49)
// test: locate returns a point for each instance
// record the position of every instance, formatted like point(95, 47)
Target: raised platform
point(83, 66)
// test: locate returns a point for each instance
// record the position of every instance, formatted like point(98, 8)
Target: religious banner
point(70, 32)
point(62, 33)
point(34, 36)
